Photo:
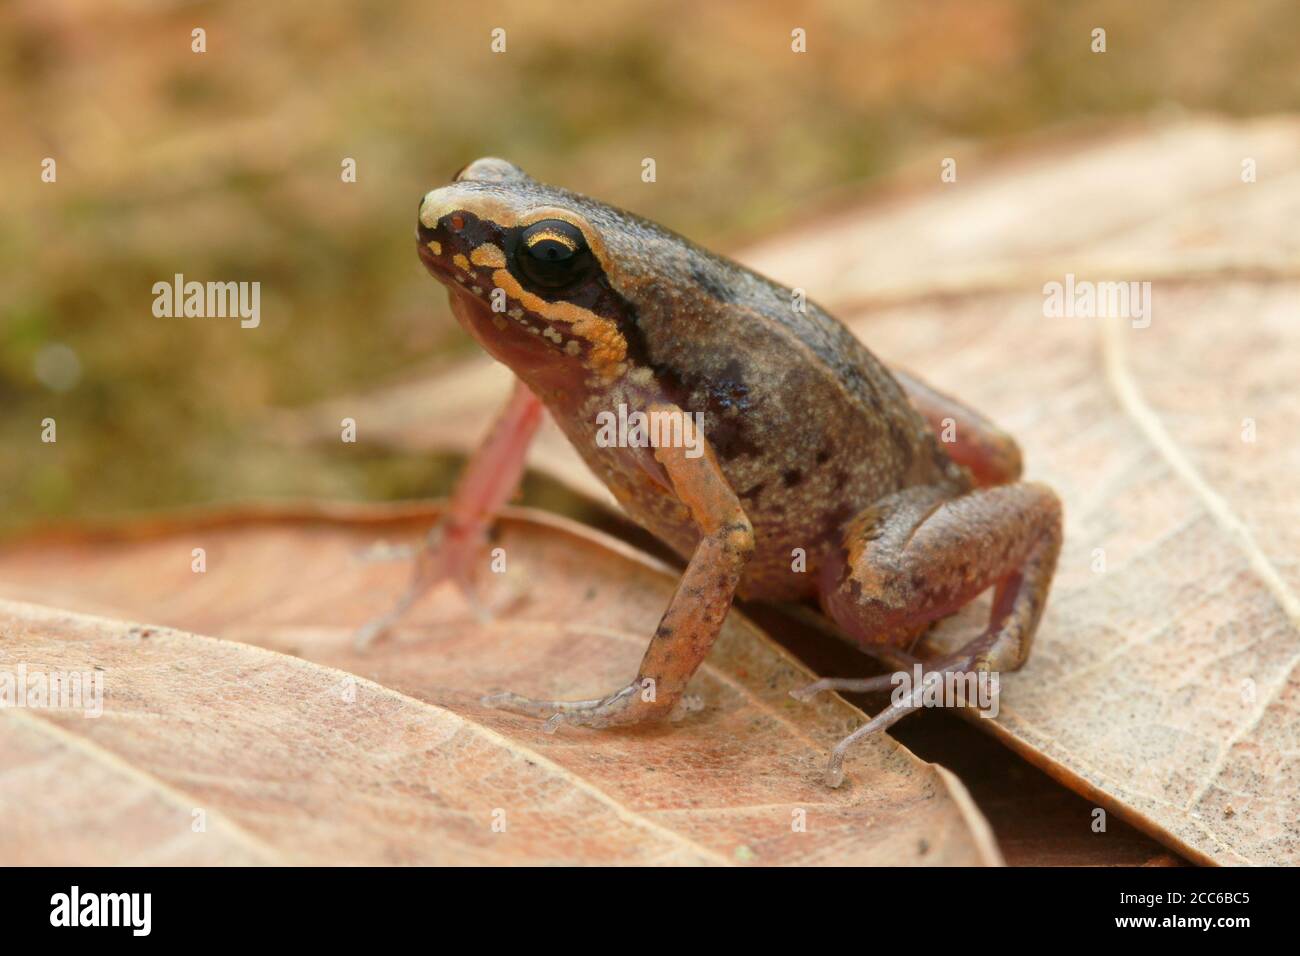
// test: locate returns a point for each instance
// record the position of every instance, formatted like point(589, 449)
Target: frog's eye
point(552, 253)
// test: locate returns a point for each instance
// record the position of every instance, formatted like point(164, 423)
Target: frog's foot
point(834, 775)
point(447, 555)
point(625, 706)
point(454, 548)
point(973, 658)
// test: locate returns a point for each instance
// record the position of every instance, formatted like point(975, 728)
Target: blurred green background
point(226, 166)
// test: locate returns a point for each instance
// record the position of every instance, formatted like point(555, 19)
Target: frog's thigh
point(969, 438)
point(918, 556)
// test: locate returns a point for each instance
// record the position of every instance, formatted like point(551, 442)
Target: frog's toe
point(380, 625)
point(834, 775)
point(624, 706)
point(536, 707)
point(382, 550)
point(860, 685)
point(457, 562)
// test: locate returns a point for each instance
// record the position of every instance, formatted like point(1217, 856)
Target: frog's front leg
point(921, 554)
point(694, 615)
point(453, 547)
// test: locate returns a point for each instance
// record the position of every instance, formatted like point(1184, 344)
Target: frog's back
point(809, 426)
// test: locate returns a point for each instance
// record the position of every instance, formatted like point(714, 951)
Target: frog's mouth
point(438, 266)
point(533, 357)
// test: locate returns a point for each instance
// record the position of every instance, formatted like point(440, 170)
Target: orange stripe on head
point(608, 346)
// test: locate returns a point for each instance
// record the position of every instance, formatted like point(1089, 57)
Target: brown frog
point(815, 472)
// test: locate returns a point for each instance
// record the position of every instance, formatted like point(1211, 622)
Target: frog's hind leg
point(990, 455)
point(919, 555)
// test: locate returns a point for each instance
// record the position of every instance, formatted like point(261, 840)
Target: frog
point(816, 474)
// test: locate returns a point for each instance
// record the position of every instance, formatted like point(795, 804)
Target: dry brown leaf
point(1167, 687)
point(1166, 683)
point(294, 760)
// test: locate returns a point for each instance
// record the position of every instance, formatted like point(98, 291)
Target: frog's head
point(531, 269)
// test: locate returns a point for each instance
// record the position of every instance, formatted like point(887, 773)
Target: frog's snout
point(425, 231)
point(454, 240)
point(432, 240)
point(439, 216)
point(428, 202)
